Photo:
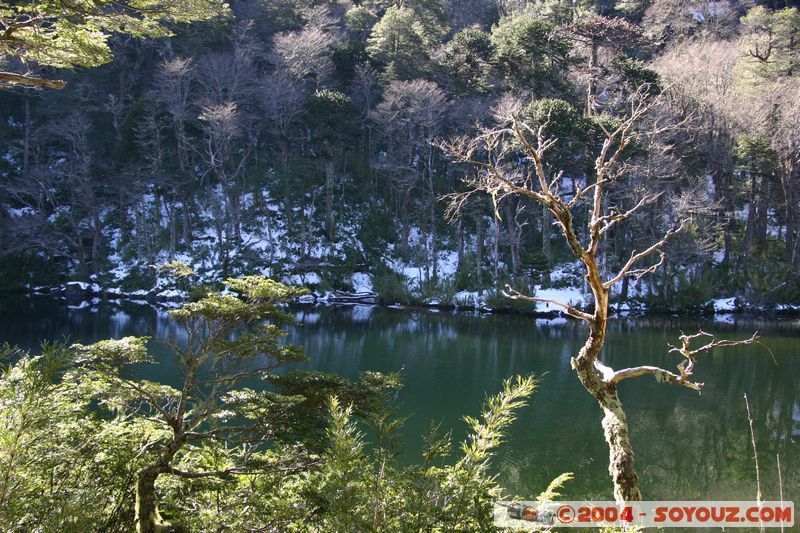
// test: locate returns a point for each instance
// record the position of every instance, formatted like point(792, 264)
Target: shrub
point(391, 287)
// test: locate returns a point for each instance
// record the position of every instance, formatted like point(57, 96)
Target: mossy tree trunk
point(148, 519)
point(621, 462)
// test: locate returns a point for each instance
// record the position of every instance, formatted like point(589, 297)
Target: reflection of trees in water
point(689, 446)
point(705, 450)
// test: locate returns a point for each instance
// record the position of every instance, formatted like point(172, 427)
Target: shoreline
point(93, 294)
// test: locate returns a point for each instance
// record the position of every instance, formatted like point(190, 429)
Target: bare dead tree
point(305, 54)
point(173, 80)
point(498, 154)
point(411, 114)
point(227, 148)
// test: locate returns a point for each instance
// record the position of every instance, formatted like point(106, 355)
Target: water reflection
point(688, 446)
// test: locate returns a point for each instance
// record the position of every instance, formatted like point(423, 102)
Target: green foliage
point(755, 156)
point(359, 19)
point(368, 489)
point(600, 124)
point(69, 464)
point(306, 420)
point(551, 492)
point(771, 47)
point(391, 287)
point(498, 413)
point(561, 12)
point(138, 278)
point(465, 276)
point(115, 353)
point(529, 53)
point(770, 282)
point(467, 60)
point(400, 42)
point(497, 301)
point(332, 115)
point(436, 290)
point(62, 466)
point(634, 73)
point(65, 35)
point(693, 292)
point(563, 122)
point(232, 340)
point(18, 270)
point(176, 269)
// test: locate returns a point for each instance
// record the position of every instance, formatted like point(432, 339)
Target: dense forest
point(303, 140)
point(582, 156)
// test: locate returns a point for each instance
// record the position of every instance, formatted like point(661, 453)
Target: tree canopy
point(54, 33)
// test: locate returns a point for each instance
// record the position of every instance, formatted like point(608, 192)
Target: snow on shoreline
point(722, 310)
point(165, 294)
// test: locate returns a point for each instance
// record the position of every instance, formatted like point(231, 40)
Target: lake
point(688, 446)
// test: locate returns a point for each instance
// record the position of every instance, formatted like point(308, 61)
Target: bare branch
point(626, 270)
point(12, 78)
point(686, 341)
point(570, 310)
point(660, 374)
point(686, 367)
point(606, 222)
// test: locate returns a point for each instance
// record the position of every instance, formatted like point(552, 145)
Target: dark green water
point(688, 446)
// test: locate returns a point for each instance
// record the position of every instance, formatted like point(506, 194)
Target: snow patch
point(724, 319)
point(302, 280)
point(724, 305)
point(558, 321)
point(173, 294)
point(362, 283)
point(471, 299)
point(566, 295)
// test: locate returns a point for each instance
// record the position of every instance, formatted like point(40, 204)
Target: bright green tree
point(561, 120)
point(771, 44)
point(60, 34)
point(211, 425)
point(529, 54)
point(365, 488)
point(359, 20)
point(400, 42)
point(466, 61)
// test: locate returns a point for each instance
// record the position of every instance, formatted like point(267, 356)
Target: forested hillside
point(303, 140)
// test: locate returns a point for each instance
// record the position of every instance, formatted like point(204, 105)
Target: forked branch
point(685, 367)
point(657, 247)
point(606, 222)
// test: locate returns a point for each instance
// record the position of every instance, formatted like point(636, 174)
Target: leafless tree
point(364, 93)
point(667, 20)
point(229, 75)
point(227, 148)
point(410, 117)
point(496, 153)
point(172, 90)
point(700, 77)
point(773, 111)
point(281, 98)
point(305, 54)
point(62, 196)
